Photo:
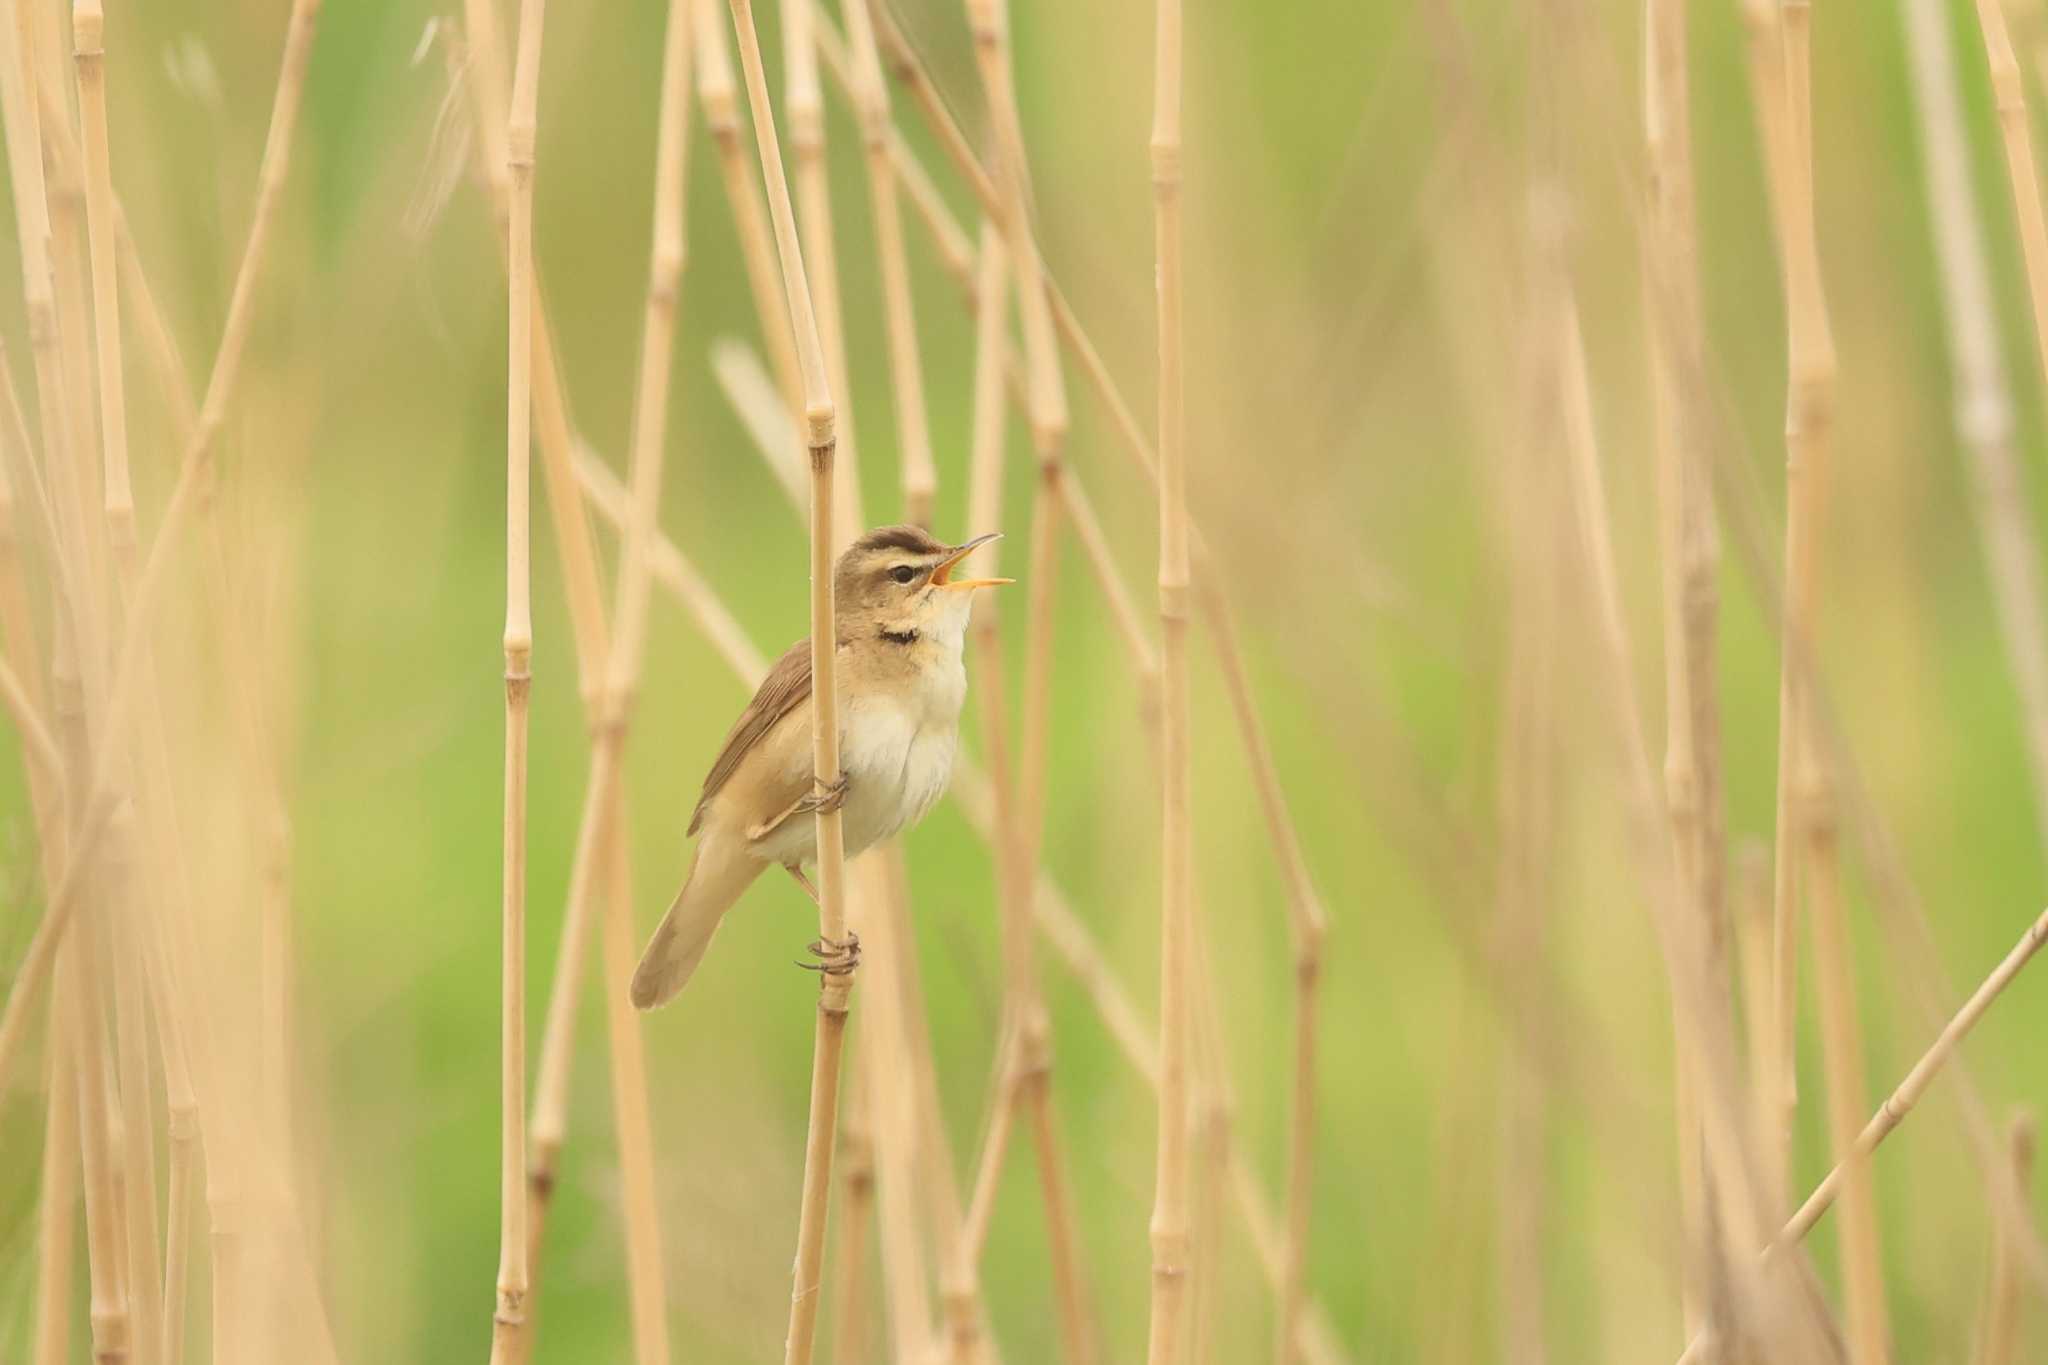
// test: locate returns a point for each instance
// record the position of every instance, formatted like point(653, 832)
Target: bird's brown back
point(787, 686)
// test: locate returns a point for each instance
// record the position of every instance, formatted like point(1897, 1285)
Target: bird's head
point(897, 582)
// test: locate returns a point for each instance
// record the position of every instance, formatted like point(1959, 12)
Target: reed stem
point(1170, 1231)
point(836, 983)
point(509, 1337)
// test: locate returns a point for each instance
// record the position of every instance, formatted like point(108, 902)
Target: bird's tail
point(722, 870)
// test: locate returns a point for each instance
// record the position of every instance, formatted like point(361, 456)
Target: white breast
point(898, 754)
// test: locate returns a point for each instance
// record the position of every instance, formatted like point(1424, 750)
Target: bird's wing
point(787, 686)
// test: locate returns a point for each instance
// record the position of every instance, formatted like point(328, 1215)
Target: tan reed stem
point(640, 1203)
point(741, 176)
point(1692, 764)
point(885, 1158)
point(913, 436)
point(569, 474)
point(88, 27)
point(924, 1132)
point(804, 107)
point(1902, 1099)
point(578, 559)
point(112, 1324)
point(1696, 1006)
point(47, 802)
point(32, 226)
point(1013, 863)
point(1046, 409)
point(605, 831)
point(1905, 917)
point(95, 1072)
point(1998, 1328)
point(835, 986)
point(1170, 1232)
point(509, 1340)
point(1809, 401)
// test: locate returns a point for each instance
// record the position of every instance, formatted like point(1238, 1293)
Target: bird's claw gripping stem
point(823, 798)
point(834, 958)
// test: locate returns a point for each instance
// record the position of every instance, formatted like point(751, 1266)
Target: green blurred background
point(1358, 179)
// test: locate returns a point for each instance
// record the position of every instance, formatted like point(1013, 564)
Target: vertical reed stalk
point(1170, 1233)
point(836, 982)
point(804, 104)
point(594, 647)
point(913, 436)
point(1809, 413)
point(88, 29)
point(890, 1147)
point(509, 1323)
point(639, 1200)
point(718, 96)
point(1046, 407)
point(1690, 564)
point(112, 1325)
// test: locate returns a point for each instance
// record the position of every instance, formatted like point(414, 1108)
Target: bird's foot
point(834, 958)
point(823, 798)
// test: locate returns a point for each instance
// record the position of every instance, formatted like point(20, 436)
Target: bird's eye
point(902, 573)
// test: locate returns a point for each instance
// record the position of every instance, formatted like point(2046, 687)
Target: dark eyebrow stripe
point(913, 539)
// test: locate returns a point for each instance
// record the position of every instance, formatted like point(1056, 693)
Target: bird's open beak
point(942, 576)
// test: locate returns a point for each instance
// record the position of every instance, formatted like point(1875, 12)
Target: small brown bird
point(901, 618)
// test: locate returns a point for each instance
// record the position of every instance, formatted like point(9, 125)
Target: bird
point(900, 619)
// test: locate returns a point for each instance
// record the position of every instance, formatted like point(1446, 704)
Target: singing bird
point(900, 619)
